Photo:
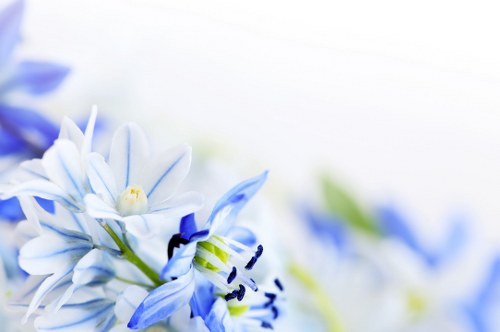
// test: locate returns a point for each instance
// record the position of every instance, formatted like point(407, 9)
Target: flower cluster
point(122, 249)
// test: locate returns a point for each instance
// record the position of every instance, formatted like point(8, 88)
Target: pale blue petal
point(218, 319)
point(63, 165)
point(95, 268)
point(70, 131)
point(164, 175)
point(149, 225)
point(101, 178)
point(98, 208)
point(242, 235)
point(46, 254)
point(128, 301)
point(93, 315)
point(228, 207)
point(43, 189)
point(163, 301)
point(10, 22)
point(48, 285)
point(180, 205)
point(37, 77)
point(128, 155)
point(181, 262)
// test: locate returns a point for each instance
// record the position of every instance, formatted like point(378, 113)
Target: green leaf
point(343, 206)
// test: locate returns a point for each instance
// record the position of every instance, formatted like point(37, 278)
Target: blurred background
point(398, 101)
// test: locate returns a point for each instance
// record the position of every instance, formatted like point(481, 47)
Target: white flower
point(137, 187)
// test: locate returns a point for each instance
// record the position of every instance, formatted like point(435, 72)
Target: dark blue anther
point(260, 250)
point(266, 325)
point(251, 263)
point(231, 276)
point(231, 295)
point(278, 284)
point(275, 312)
point(241, 292)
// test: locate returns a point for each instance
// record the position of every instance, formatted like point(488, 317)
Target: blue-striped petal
point(63, 165)
point(180, 205)
point(128, 155)
point(181, 262)
point(163, 301)
point(218, 319)
point(101, 178)
point(149, 225)
point(165, 174)
point(46, 254)
point(128, 301)
point(92, 315)
point(228, 207)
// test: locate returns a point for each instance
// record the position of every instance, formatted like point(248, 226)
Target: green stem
point(131, 282)
point(129, 255)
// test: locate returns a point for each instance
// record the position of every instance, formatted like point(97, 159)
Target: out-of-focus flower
point(24, 133)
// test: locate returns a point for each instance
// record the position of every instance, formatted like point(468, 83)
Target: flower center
point(133, 200)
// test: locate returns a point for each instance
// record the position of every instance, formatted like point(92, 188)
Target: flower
point(210, 252)
point(137, 187)
point(24, 133)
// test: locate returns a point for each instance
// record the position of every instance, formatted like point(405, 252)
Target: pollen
point(132, 201)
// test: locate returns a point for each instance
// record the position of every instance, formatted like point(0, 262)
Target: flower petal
point(163, 301)
point(93, 315)
point(180, 205)
point(166, 173)
point(47, 253)
point(128, 154)
point(43, 189)
point(218, 319)
point(10, 22)
point(101, 178)
point(48, 285)
point(242, 235)
point(37, 77)
point(227, 208)
point(128, 301)
point(70, 131)
point(181, 262)
point(148, 225)
point(97, 208)
point(63, 165)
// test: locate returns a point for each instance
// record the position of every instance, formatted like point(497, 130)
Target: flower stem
point(129, 255)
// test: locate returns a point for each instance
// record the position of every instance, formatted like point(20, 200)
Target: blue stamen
point(278, 284)
point(275, 312)
point(266, 325)
point(241, 292)
point(231, 276)
point(260, 250)
point(251, 263)
point(231, 295)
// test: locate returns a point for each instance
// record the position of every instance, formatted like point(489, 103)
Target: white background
point(399, 100)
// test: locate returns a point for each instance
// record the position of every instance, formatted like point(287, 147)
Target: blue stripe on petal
point(163, 301)
point(228, 207)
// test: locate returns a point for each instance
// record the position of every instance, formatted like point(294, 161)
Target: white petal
point(128, 154)
point(63, 166)
point(47, 253)
point(97, 208)
point(42, 189)
point(128, 301)
point(29, 170)
point(163, 176)
point(89, 132)
point(70, 131)
point(101, 178)
point(96, 266)
point(180, 205)
point(148, 225)
point(48, 285)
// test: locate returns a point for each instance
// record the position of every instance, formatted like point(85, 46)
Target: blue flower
point(24, 133)
point(210, 252)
